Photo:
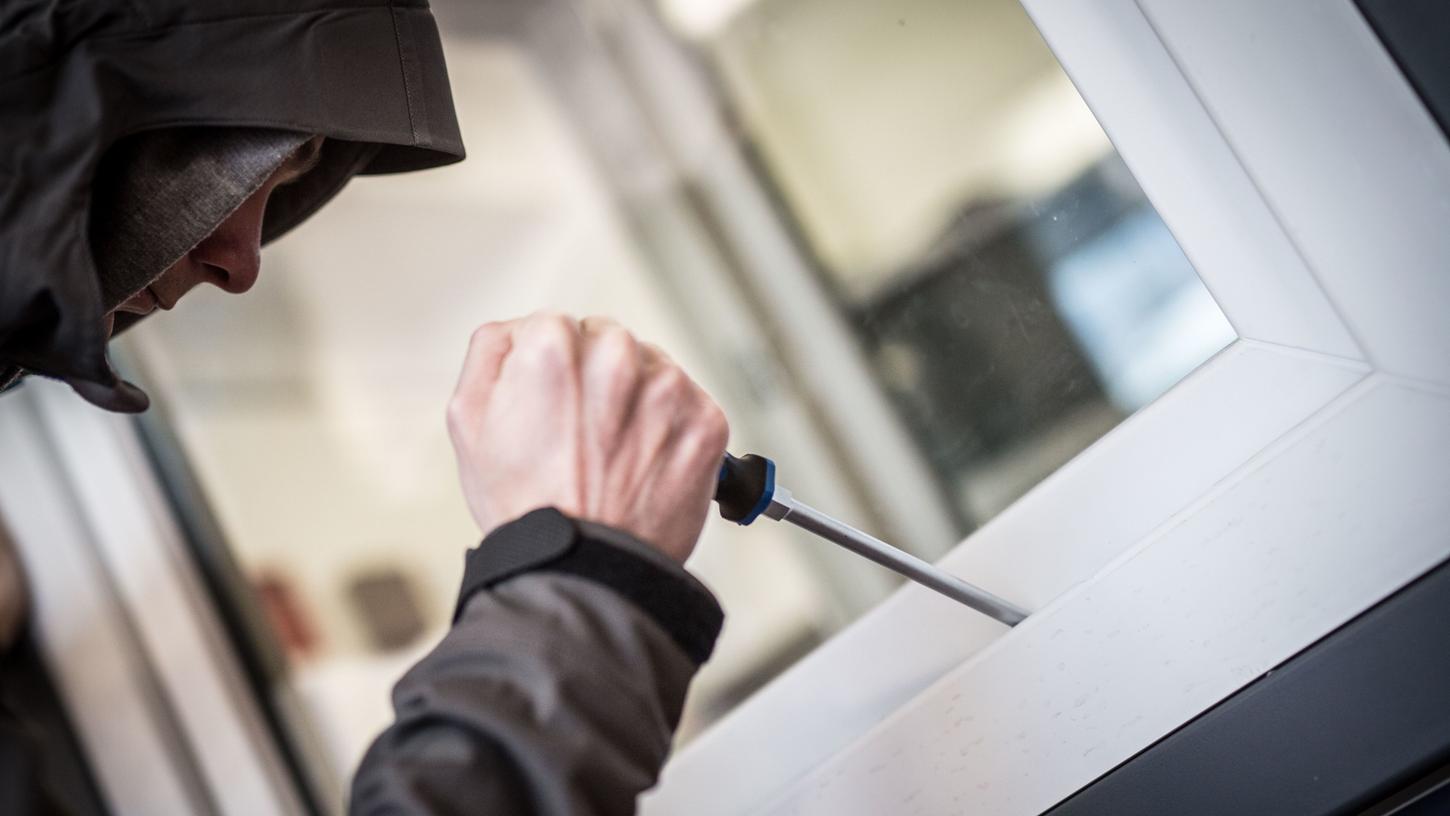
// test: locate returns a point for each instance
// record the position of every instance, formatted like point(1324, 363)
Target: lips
point(142, 303)
point(160, 304)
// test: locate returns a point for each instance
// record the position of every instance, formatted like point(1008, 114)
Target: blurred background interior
point(888, 236)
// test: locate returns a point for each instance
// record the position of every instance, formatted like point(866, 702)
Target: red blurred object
point(292, 624)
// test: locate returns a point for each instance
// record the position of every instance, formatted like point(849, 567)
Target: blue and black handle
point(747, 484)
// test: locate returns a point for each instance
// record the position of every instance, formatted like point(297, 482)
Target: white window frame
point(1319, 233)
point(133, 642)
point(1288, 484)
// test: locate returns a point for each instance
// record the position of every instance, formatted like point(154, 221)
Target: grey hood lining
point(159, 194)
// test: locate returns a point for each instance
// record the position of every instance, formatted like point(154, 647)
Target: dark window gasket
point(1350, 721)
point(1416, 33)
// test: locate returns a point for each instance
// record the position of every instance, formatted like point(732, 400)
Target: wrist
point(547, 540)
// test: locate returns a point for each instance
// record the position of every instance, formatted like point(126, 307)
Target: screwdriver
point(747, 490)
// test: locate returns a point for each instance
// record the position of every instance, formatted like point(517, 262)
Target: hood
point(76, 78)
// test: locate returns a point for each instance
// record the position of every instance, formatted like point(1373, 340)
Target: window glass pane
point(1015, 291)
point(982, 264)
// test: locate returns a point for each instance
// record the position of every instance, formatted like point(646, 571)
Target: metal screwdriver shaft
point(747, 490)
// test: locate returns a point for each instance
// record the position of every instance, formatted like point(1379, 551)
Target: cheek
point(180, 276)
point(240, 235)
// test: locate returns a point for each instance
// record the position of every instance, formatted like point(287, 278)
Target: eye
point(303, 161)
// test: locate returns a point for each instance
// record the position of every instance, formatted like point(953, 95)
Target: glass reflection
point(1014, 290)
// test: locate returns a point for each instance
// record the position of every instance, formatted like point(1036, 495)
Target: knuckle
point(712, 433)
point(673, 381)
point(551, 321)
point(615, 347)
point(656, 357)
point(487, 334)
point(558, 321)
point(704, 434)
point(600, 323)
point(557, 331)
point(665, 385)
point(484, 333)
point(617, 334)
point(692, 447)
point(548, 340)
point(717, 426)
point(456, 416)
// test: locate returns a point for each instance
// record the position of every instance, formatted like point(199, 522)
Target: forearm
point(556, 692)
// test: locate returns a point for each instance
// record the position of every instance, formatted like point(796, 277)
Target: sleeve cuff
point(547, 540)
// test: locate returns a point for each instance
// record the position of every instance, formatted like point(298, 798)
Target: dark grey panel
point(1417, 35)
point(1343, 725)
point(1429, 797)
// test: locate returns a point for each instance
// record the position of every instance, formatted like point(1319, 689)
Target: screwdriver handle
point(745, 488)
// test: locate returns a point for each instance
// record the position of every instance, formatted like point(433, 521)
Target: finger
point(657, 419)
point(487, 348)
point(713, 425)
point(613, 378)
point(700, 444)
point(593, 325)
point(613, 359)
point(537, 396)
point(655, 358)
point(546, 347)
point(693, 467)
point(612, 366)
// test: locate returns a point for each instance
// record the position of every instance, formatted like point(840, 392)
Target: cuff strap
point(548, 540)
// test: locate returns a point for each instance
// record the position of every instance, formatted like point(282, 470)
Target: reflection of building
point(1033, 326)
point(1013, 292)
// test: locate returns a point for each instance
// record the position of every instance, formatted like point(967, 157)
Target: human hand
point(585, 418)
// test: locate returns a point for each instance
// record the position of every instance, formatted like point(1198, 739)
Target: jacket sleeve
point(557, 690)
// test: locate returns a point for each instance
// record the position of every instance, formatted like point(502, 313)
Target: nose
point(231, 257)
point(235, 273)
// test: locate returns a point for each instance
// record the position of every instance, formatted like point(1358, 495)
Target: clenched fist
point(583, 417)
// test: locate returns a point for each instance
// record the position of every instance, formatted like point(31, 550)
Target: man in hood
point(151, 146)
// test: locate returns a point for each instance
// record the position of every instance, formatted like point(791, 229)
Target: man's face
point(230, 257)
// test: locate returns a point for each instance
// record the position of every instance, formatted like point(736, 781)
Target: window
point(889, 237)
point(1014, 292)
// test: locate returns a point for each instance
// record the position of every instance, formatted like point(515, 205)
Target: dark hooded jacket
point(76, 78)
point(561, 682)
